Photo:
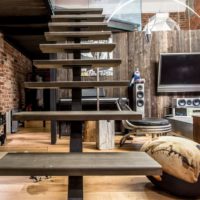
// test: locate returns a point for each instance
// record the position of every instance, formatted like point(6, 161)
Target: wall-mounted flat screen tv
point(179, 72)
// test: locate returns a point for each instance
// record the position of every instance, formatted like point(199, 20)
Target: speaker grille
point(186, 102)
point(140, 103)
point(140, 94)
point(196, 102)
point(182, 102)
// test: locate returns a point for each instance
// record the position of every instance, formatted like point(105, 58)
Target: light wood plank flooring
point(55, 188)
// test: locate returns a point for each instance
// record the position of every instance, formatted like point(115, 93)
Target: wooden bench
point(78, 164)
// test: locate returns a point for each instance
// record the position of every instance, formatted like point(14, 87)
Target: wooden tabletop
point(77, 115)
point(78, 164)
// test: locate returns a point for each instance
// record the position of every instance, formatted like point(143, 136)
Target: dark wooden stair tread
point(75, 84)
point(63, 63)
point(87, 35)
point(76, 115)
point(62, 11)
point(78, 164)
point(64, 26)
point(87, 17)
point(84, 47)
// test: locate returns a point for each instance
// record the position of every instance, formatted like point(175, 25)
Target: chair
point(152, 126)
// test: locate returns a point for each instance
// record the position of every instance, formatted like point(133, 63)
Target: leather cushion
point(150, 122)
point(179, 157)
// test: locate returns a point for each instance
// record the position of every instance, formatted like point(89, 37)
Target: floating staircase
point(77, 25)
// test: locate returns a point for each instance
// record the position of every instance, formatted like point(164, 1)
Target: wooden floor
point(55, 188)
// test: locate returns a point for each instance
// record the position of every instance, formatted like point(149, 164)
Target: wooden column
point(90, 131)
point(105, 134)
point(196, 129)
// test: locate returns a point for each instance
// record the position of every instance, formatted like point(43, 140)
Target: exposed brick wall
point(195, 20)
point(145, 18)
point(181, 18)
point(13, 69)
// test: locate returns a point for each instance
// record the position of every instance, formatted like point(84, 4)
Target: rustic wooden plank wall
point(135, 52)
point(145, 56)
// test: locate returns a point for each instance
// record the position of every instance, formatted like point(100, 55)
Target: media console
point(187, 126)
point(182, 125)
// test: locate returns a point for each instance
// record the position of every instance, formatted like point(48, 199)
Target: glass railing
point(125, 14)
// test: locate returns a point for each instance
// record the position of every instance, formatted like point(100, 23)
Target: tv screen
point(179, 72)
